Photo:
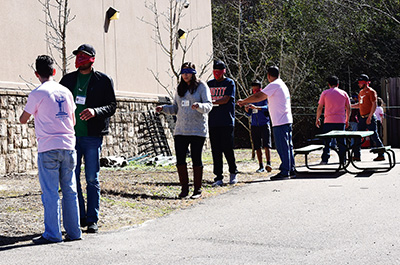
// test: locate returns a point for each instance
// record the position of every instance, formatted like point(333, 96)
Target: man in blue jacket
point(95, 101)
point(260, 128)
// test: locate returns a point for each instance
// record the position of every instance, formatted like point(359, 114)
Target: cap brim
point(76, 52)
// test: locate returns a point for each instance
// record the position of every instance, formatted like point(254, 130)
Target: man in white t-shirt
point(280, 112)
point(52, 106)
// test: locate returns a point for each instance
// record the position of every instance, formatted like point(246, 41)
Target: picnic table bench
point(349, 135)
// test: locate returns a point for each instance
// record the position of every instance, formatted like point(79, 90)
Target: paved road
point(315, 219)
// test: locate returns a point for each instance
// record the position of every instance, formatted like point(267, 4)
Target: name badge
point(255, 111)
point(185, 103)
point(80, 100)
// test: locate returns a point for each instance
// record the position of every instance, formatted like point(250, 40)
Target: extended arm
point(257, 97)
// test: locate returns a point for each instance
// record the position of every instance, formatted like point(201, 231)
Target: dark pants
point(261, 136)
point(182, 143)
point(363, 126)
point(221, 139)
point(341, 142)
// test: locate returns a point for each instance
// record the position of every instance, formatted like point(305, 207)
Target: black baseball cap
point(363, 77)
point(256, 83)
point(86, 48)
point(218, 64)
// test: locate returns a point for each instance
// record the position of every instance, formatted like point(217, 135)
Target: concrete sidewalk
point(315, 219)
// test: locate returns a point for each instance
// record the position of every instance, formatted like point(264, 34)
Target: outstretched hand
point(241, 102)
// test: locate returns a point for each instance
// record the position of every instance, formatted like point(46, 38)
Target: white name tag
point(255, 111)
point(80, 100)
point(185, 103)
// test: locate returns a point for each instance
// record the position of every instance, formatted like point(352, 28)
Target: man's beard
point(85, 67)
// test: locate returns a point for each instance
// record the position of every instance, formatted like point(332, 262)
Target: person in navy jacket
point(260, 128)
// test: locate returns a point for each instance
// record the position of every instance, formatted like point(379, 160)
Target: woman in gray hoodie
point(191, 105)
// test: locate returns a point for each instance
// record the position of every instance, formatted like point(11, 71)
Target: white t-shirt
point(53, 107)
point(379, 113)
point(280, 109)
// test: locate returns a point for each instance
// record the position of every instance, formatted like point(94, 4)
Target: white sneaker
point(218, 183)
point(233, 178)
point(268, 168)
point(260, 170)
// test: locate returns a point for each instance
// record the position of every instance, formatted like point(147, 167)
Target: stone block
point(25, 143)
point(11, 163)
point(2, 164)
point(3, 128)
point(3, 101)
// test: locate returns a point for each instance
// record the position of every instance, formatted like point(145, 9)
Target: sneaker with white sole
point(261, 169)
point(268, 168)
point(218, 183)
point(233, 178)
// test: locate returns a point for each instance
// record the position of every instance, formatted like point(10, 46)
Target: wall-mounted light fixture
point(185, 3)
point(181, 34)
point(111, 14)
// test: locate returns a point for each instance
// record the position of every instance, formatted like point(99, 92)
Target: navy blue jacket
point(100, 96)
point(261, 117)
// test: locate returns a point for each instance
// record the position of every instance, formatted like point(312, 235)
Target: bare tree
point(58, 16)
point(386, 8)
point(169, 22)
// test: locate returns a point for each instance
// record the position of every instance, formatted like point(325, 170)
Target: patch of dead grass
point(129, 196)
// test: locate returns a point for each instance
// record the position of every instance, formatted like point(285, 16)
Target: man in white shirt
point(280, 111)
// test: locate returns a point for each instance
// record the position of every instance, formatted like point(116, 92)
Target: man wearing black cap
point(95, 101)
point(221, 123)
point(367, 102)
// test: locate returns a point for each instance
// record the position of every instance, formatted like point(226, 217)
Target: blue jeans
point(331, 144)
point(56, 168)
point(284, 146)
point(353, 127)
point(89, 147)
point(363, 126)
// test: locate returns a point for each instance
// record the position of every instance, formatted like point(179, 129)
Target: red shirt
point(366, 98)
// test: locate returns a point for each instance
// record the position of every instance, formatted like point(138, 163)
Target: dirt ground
point(129, 195)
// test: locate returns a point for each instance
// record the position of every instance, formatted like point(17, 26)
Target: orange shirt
point(366, 97)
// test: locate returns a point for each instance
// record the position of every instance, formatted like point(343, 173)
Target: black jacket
point(100, 96)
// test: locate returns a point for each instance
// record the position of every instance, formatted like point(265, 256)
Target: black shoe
point(196, 194)
point(83, 222)
point(219, 177)
point(279, 176)
point(92, 228)
point(183, 194)
point(42, 241)
point(292, 175)
point(68, 239)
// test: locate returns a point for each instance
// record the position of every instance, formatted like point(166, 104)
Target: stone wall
point(18, 147)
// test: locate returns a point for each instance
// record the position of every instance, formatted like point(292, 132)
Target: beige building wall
point(126, 52)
